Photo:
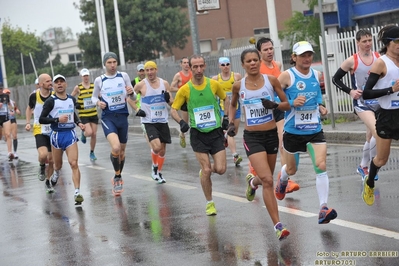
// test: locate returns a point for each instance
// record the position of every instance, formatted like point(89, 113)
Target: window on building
point(206, 46)
point(261, 31)
point(75, 59)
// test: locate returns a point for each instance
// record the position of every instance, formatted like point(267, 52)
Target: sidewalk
point(349, 132)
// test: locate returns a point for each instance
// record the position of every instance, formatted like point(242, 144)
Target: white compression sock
point(322, 187)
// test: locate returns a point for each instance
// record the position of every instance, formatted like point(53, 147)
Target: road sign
point(204, 5)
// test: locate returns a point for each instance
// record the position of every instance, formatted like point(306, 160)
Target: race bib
point(306, 118)
point(255, 113)
point(205, 117)
point(88, 103)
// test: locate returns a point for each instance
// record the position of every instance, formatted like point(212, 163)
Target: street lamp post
point(2, 62)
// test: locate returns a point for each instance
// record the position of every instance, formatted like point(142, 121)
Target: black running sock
point(122, 164)
point(42, 168)
point(115, 162)
point(15, 144)
point(372, 173)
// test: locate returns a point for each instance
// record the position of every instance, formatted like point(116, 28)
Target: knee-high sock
point(322, 186)
point(154, 157)
point(296, 160)
point(284, 176)
point(15, 144)
point(366, 155)
point(373, 171)
point(122, 163)
point(373, 148)
point(160, 162)
point(115, 163)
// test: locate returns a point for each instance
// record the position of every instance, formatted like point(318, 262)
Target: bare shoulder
point(237, 76)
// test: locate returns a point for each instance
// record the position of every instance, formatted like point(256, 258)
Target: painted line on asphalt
point(367, 228)
point(172, 184)
point(229, 197)
point(343, 223)
point(295, 212)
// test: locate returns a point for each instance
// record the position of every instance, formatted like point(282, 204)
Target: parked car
point(319, 67)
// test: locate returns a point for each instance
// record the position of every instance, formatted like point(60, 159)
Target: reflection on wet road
point(152, 224)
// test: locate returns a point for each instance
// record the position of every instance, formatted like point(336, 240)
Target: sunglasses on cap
point(395, 40)
point(225, 64)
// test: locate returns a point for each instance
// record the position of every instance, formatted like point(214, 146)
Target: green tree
point(15, 42)
point(301, 28)
point(148, 28)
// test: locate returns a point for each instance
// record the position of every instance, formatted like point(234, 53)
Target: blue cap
point(224, 60)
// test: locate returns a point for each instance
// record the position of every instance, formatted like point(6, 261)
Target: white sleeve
point(97, 89)
point(126, 78)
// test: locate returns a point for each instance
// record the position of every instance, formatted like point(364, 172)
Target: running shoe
point(291, 186)
point(92, 156)
point(237, 159)
point(326, 215)
point(367, 193)
point(10, 156)
point(42, 173)
point(49, 187)
point(161, 179)
point(54, 178)
point(280, 188)
point(154, 173)
point(182, 141)
point(83, 138)
point(78, 199)
point(117, 183)
point(281, 231)
point(15, 155)
point(362, 171)
point(250, 190)
point(210, 209)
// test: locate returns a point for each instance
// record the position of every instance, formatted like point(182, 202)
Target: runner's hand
point(231, 130)
point(184, 127)
point(269, 104)
point(140, 113)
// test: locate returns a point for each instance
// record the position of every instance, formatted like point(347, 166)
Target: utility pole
point(193, 26)
point(119, 35)
point(2, 62)
point(271, 16)
point(325, 64)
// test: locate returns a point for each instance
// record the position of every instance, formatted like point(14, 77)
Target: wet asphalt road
point(152, 224)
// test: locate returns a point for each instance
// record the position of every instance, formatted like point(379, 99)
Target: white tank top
point(255, 113)
point(361, 73)
point(388, 101)
point(154, 104)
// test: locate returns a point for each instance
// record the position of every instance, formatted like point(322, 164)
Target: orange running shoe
point(291, 186)
point(279, 191)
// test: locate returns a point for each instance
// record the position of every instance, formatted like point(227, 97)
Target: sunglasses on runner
point(395, 40)
point(225, 64)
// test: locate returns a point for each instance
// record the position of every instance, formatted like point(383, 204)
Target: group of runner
point(282, 112)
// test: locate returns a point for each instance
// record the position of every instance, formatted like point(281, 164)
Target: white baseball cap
point(84, 72)
point(37, 81)
point(59, 76)
point(302, 47)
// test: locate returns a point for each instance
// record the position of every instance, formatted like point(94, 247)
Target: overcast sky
point(40, 15)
